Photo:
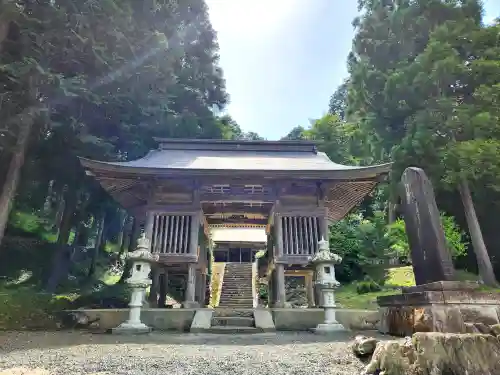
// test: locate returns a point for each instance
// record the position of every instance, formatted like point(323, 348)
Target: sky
point(282, 59)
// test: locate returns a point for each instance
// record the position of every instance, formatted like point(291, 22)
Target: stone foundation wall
point(305, 319)
point(291, 319)
point(160, 319)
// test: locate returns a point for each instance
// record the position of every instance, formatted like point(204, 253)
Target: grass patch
point(396, 278)
point(27, 308)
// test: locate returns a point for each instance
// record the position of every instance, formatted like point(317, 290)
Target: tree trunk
point(61, 261)
point(47, 205)
point(122, 217)
point(136, 231)
point(97, 247)
point(12, 178)
point(60, 209)
point(127, 234)
point(483, 260)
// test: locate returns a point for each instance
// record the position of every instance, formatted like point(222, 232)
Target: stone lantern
point(138, 281)
point(324, 263)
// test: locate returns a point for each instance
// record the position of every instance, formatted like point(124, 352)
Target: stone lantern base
point(127, 328)
point(325, 329)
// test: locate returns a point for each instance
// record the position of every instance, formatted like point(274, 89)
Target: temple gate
point(177, 192)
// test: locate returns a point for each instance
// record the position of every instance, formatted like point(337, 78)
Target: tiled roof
point(233, 156)
point(231, 160)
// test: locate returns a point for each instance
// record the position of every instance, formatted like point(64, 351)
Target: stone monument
point(324, 262)
point(430, 257)
point(436, 303)
point(138, 281)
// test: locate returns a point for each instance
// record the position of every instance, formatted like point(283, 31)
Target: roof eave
point(355, 173)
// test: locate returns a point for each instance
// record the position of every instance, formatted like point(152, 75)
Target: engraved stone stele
point(324, 262)
point(430, 257)
point(138, 281)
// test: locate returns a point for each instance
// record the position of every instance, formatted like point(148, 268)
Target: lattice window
point(253, 189)
point(217, 189)
point(171, 234)
point(301, 235)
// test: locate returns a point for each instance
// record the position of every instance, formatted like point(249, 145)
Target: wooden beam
point(239, 221)
point(238, 207)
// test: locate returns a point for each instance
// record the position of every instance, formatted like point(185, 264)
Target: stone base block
point(264, 320)
point(326, 329)
point(437, 307)
point(202, 320)
point(131, 329)
point(190, 305)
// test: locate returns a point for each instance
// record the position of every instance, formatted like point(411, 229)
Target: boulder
point(436, 353)
point(483, 328)
point(363, 346)
point(470, 328)
point(495, 330)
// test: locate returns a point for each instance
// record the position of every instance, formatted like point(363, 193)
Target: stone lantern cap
point(143, 251)
point(324, 255)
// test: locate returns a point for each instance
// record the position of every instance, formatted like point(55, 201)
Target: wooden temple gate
point(177, 191)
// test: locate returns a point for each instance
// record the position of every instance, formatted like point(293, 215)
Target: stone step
point(236, 297)
point(232, 312)
point(233, 321)
point(233, 291)
point(232, 330)
point(232, 303)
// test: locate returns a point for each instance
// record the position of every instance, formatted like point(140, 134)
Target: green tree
point(455, 238)
point(456, 133)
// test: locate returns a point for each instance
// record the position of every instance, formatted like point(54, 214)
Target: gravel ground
point(77, 353)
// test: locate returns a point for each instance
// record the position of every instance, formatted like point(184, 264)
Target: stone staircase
point(235, 313)
point(236, 290)
point(233, 321)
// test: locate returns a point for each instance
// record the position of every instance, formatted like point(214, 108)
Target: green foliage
point(263, 292)
point(361, 242)
point(365, 243)
point(104, 296)
point(367, 286)
point(27, 308)
point(454, 238)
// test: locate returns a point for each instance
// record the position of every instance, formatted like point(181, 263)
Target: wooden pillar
point(201, 279)
point(154, 288)
point(270, 290)
point(148, 227)
point(191, 287)
point(136, 231)
point(279, 269)
point(278, 235)
point(194, 233)
point(163, 288)
point(310, 290)
point(324, 228)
